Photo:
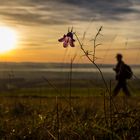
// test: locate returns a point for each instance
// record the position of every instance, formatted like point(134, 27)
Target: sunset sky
point(40, 23)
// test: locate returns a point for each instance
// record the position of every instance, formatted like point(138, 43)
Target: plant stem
point(57, 113)
point(93, 62)
point(70, 82)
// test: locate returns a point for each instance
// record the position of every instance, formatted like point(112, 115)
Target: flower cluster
point(67, 39)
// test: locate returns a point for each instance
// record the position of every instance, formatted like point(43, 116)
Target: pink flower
point(67, 40)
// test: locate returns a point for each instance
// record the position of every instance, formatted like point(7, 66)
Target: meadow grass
point(47, 112)
point(48, 117)
point(50, 92)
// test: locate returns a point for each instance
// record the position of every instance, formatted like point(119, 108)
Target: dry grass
point(38, 118)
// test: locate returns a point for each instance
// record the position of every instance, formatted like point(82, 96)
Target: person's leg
point(125, 89)
point(117, 89)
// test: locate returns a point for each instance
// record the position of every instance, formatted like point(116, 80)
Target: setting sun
point(8, 39)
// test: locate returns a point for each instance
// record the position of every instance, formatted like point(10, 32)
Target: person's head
point(119, 57)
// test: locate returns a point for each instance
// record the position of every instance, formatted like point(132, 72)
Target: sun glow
point(8, 39)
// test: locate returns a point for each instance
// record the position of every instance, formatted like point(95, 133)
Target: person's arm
point(115, 69)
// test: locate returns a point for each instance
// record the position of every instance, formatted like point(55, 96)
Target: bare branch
point(98, 44)
point(84, 35)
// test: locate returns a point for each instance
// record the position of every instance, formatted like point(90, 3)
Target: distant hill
point(10, 65)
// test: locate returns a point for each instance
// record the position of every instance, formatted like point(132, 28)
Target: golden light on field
point(8, 39)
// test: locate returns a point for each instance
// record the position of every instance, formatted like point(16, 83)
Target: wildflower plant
point(91, 56)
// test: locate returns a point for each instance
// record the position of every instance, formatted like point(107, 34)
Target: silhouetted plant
point(90, 55)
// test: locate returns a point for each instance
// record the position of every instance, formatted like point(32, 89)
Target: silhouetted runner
point(122, 73)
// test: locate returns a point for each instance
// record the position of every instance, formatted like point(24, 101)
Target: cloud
point(36, 12)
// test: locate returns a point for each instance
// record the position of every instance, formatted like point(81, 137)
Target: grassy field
point(54, 116)
point(56, 109)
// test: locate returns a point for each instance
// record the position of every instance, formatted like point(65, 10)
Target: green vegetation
point(54, 109)
point(35, 117)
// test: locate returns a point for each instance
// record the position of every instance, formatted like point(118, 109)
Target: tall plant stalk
point(70, 79)
point(92, 60)
point(57, 115)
